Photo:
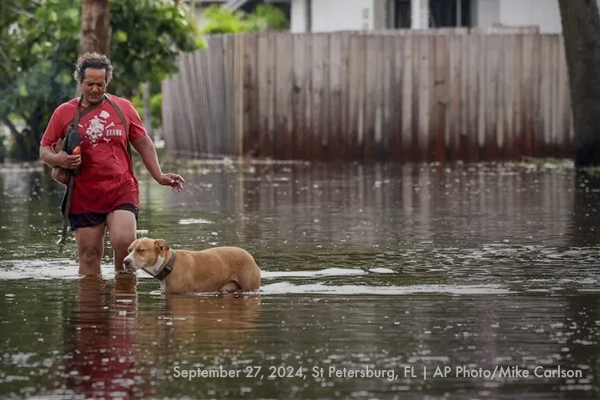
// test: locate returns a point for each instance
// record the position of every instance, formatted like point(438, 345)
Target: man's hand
point(173, 180)
point(63, 160)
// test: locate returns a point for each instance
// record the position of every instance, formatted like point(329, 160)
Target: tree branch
point(13, 129)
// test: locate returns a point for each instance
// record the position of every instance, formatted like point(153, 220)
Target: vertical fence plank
point(510, 83)
point(187, 106)
point(395, 93)
point(499, 130)
point(556, 97)
point(464, 98)
point(344, 126)
point(546, 93)
point(318, 100)
point(473, 94)
point(326, 94)
point(336, 76)
point(229, 82)
point(265, 97)
point(491, 49)
point(204, 127)
point(455, 99)
point(168, 116)
point(418, 49)
point(238, 93)
point(188, 94)
point(283, 99)
point(396, 103)
point(388, 106)
point(524, 91)
point(355, 79)
point(536, 133)
point(482, 73)
point(250, 96)
point(408, 104)
point(216, 97)
point(301, 61)
point(425, 72)
point(441, 83)
point(372, 75)
point(567, 144)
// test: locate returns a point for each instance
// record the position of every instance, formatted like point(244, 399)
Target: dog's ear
point(161, 244)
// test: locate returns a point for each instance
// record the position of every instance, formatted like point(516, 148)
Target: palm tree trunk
point(581, 32)
point(95, 27)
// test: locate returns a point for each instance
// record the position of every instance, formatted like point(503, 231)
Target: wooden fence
point(393, 95)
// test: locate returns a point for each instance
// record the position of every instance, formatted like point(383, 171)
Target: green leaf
point(23, 90)
point(121, 36)
point(201, 43)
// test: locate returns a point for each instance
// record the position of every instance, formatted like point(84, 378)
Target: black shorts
point(94, 219)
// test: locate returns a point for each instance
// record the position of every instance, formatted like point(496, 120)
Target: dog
point(218, 269)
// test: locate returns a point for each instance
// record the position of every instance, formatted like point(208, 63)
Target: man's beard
point(93, 99)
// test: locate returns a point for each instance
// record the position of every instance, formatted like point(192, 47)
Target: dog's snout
point(127, 262)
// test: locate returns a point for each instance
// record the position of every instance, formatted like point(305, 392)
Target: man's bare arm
point(145, 147)
point(60, 159)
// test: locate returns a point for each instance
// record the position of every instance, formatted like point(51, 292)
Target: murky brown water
point(378, 282)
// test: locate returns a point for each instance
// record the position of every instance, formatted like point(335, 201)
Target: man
point(106, 191)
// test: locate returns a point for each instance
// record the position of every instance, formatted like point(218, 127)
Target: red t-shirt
point(105, 179)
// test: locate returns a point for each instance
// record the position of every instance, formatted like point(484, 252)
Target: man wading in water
point(106, 191)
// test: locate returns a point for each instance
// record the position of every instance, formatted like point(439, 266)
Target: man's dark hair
point(94, 61)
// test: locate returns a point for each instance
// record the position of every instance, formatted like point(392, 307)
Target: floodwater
point(379, 282)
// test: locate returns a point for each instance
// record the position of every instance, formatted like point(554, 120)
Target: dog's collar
point(167, 269)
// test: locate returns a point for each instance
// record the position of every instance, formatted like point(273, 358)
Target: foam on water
point(312, 274)
point(48, 269)
point(67, 269)
point(319, 288)
point(191, 221)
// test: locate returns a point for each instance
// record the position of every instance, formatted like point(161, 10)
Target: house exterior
point(336, 15)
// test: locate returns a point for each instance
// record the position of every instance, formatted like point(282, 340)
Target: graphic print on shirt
point(97, 129)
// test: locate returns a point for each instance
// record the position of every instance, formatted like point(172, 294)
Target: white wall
point(298, 12)
point(542, 13)
point(333, 15)
point(485, 13)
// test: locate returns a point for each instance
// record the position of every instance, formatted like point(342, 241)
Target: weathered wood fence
point(393, 95)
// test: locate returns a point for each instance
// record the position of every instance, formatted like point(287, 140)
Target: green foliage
point(147, 37)
point(155, 108)
point(222, 20)
point(269, 16)
point(39, 41)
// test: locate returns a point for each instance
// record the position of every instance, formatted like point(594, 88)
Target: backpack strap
point(74, 123)
point(124, 122)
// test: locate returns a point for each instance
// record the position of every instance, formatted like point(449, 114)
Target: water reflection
point(585, 228)
point(217, 326)
point(102, 340)
point(385, 266)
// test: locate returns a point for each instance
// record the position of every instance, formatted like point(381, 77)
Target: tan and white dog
point(218, 269)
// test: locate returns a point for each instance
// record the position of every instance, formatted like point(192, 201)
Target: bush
point(221, 20)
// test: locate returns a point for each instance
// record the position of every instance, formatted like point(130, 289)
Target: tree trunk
point(95, 27)
point(581, 32)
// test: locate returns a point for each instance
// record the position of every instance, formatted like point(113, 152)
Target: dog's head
point(146, 253)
